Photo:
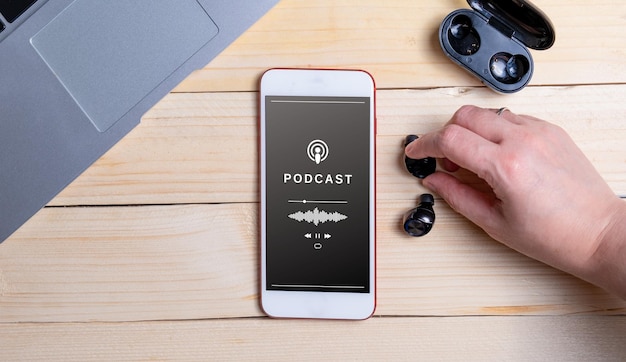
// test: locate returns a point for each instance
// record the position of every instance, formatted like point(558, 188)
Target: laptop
point(77, 75)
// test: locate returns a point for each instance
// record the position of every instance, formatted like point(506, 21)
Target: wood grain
point(201, 261)
point(573, 338)
point(397, 42)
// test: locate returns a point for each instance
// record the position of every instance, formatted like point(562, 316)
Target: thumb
point(475, 205)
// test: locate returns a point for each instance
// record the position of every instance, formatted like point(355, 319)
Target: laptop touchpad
point(110, 54)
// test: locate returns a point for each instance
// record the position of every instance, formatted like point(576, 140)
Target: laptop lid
point(78, 75)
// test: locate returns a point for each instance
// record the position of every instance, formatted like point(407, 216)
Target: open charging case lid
point(492, 40)
point(527, 23)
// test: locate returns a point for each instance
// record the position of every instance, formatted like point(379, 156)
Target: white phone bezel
point(332, 83)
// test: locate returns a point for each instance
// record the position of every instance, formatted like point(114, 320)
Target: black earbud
point(508, 68)
point(419, 168)
point(420, 220)
point(462, 36)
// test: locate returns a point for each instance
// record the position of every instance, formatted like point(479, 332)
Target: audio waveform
point(317, 216)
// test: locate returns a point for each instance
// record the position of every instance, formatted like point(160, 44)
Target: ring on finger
point(501, 110)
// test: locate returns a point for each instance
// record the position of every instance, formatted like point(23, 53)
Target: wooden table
point(152, 254)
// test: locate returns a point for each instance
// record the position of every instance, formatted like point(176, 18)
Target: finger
point(449, 165)
point(484, 122)
point(459, 145)
point(475, 205)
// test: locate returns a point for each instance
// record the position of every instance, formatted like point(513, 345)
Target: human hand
point(544, 197)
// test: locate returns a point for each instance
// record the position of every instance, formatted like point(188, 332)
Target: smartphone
point(317, 158)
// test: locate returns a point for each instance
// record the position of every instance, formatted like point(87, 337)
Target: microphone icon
point(317, 150)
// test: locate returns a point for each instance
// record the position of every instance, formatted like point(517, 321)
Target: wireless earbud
point(420, 220)
point(419, 168)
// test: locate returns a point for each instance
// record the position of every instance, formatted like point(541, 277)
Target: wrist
point(607, 267)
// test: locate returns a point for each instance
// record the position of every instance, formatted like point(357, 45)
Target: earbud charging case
point(492, 40)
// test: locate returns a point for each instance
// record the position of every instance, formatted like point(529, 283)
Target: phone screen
point(318, 193)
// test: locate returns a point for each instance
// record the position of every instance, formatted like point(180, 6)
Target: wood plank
point(573, 338)
point(194, 148)
point(131, 263)
point(397, 42)
point(201, 261)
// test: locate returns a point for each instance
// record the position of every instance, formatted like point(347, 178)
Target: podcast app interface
point(317, 193)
